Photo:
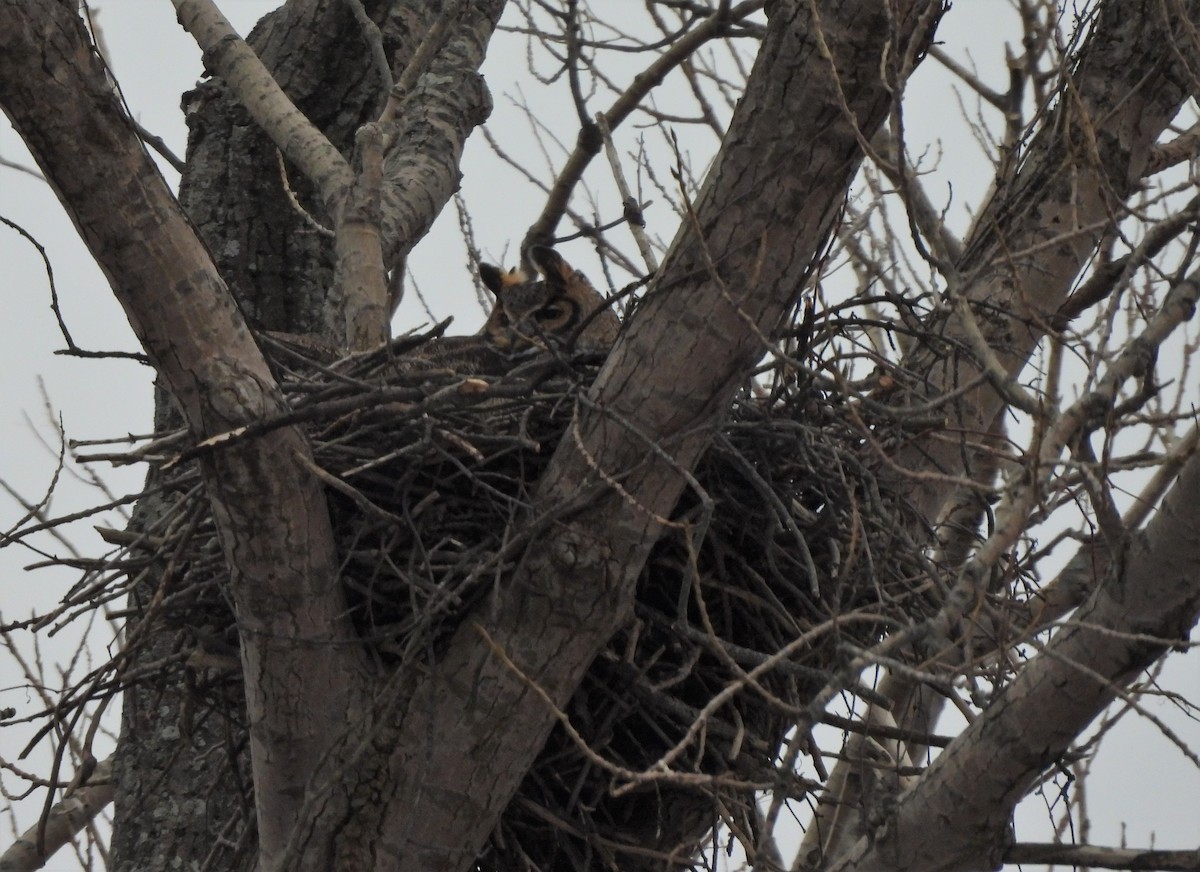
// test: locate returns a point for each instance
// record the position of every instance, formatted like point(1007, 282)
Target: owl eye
point(552, 312)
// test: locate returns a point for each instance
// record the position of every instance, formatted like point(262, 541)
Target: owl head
point(551, 312)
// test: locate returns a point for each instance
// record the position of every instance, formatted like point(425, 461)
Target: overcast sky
point(1140, 779)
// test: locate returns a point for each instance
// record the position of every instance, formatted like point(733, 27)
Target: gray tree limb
point(1102, 857)
point(270, 511)
point(1030, 242)
point(1149, 601)
point(732, 275)
point(66, 819)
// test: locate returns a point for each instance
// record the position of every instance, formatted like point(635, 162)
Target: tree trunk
point(727, 283)
point(182, 781)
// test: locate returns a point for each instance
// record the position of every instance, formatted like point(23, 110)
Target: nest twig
point(429, 478)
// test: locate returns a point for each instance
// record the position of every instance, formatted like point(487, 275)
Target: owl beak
point(527, 334)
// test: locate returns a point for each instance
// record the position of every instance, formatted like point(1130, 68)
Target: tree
point(908, 375)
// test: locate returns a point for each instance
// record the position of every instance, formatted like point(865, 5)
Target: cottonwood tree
point(939, 415)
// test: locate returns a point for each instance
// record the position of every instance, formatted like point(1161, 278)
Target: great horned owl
point(561, 310)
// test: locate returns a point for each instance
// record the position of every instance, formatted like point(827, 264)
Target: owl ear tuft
point(493, 278)
point(498, 281)
point(550, 264)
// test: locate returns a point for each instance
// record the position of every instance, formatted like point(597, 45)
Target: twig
point(633, 210)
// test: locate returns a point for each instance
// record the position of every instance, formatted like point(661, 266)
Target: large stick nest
point(790, 559)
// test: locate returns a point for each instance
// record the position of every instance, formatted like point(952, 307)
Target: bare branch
point(228, 55)
point(1072, 200)
point(969, 791)
point(589, 142)
point(66, 819)
point(1098, 857)
point(1182, 148)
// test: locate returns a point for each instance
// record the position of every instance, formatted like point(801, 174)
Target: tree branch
point(264, 502)
point(443, 107)
point(968, 793)
point(67, 818)
point(227, 54)
point(730, 278)
point(1097, 857)
point(589, 144)
point(1083, 163)
point(419, 172)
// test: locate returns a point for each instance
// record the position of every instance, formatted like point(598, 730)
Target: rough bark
point(279, 267)
point(186, 767)
point(269, 510)
point(421, 172)
point(477, 722)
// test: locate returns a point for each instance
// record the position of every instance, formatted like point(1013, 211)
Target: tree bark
point(477, 722)
point(280, 268)
point(264, 500)
point(269, 510)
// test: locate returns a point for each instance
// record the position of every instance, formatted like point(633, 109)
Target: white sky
point(1140, 780)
